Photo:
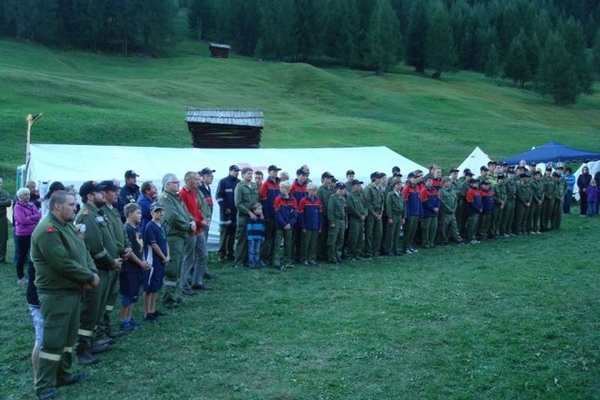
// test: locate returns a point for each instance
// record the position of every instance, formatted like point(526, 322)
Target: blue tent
point(553, 152)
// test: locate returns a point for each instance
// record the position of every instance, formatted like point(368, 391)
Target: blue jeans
point(592, 209)
point(254, 251)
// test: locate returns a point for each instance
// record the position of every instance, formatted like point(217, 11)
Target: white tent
point(593, 167)
point(474, 161)
point(73, 164)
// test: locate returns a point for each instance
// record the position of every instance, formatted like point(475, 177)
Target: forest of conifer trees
point(552, 46)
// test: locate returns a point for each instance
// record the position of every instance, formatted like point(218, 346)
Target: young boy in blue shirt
point(255, 232)
point(156, 250)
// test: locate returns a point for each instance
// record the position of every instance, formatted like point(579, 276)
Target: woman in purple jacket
point(26, 216)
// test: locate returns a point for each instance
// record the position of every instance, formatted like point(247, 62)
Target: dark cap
point(532, 164)
point(492, 162)
point(326, 174)
point(350, 172)
point(454, 170)
point(234, 168)
point(537, 172)
point(510, 171)
point(301, 171)
point(548, 168)
point(500, 176)
point(340, 185)
point(484, 182)
point(560, 167)
point(156, 206)
point(89, 187)
point(206, 171)
point(525, 176)
point(473, 181)
point(395, 169)
point(555, 175)
point(466, 171)
point(130, 174)
point(504, 164)
point(469, 173)
point(411, 175)
point(484, 168)
point(273, 168)
point(109, 185)
point(356, 182)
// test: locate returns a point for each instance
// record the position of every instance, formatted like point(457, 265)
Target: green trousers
point(93, 304)
point(283, 256)
point(322, 241)
point(392, 235)
point(309, 245)
point(521, 217)
point(497, 219)
point(484, 225)
point(449, 227)
point(428, 230)
point(410, 231)
point(226, 241)
point(241, 241)
point(268, 246)
point(111, 300)
point(507, 217)
point(355, 241)
point(373, 232)
point(335, 240)
point(557, 213)
point(173, 269)
point(546, 213)
point(60, 312)
point(471, 228)
point(461, 217)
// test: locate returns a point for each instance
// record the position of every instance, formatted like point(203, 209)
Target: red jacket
point(190, 200)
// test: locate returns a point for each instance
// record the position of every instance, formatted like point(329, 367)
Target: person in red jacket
point(268, 192)
point(286, 214)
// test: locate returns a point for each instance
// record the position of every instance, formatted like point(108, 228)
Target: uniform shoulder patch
point(86, 212)
point(165, 196)
point(50, 229)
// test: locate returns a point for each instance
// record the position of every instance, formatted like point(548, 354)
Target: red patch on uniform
point(86, 212)
point(49, 229)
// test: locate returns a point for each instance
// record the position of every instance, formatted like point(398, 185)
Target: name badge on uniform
point(100, 219)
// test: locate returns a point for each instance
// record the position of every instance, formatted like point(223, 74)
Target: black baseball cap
point(454, 170)
point(156, 206)
point(356, 182)
point(234, 168)
point(89, 187)
point(350, 172)
point(206, 171)
point(130, 174)
point(326, 174)
point(340, 185)
point(273, 168)
point(109, 185)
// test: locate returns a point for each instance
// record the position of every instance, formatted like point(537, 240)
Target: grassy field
point(100, 99)
point(507, 319)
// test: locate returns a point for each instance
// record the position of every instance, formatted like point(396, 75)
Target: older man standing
point(180, 224)
point(227, 213)
point(63, 269)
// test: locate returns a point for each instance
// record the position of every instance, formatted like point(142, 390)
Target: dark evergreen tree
point(340, 31)
point(596, 53)
point(308, 28)
point(201, 18)
point(441, 52)
point(572, 34)
point(383, 38)
point(416, 41)
point(492, 65)
point(557, 76)
point(154, 20)
point(516, 67)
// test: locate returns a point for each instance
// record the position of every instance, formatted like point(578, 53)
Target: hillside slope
point(101, 99)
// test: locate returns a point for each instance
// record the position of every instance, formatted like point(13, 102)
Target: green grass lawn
point(101, 99)
point(506, 319)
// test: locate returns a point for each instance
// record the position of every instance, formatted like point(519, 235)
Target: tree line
point(551, 45)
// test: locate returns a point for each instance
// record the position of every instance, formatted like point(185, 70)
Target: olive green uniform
point(560, 191)
point(62, 267)
point(522, 208)
point(499, 191)
point(178, 221)
point(461, 212)
point(447, 215)
point(357, 212)
point(5, 202)
point(394, 211)
point(324, 194)
point(102, 247)
point(244, 195)
point(537, 190)
point(374, 202)
point(337, 217)
point(510, 186)
point(548, 204)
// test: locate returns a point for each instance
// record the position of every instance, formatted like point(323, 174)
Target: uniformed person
point(461, 207)
point(374, 202)
point(395, 217)
point(63, 269)
point(324, 194)
point(510, 187)
point(180, 224)
point(337, 219)
point(499, 191)
point(245, 196)
point(431, 208)
point(357, 212)
point(560, 192)
point(549, 185)
point(523, 205)
point(112, 214)
point(104, 251)
point(449, 202)
point(473, 211)
point(537, 190)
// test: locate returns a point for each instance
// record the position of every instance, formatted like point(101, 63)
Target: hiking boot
point(72, 380)
point(50, 394)
point(84, 357)
point(99, 348)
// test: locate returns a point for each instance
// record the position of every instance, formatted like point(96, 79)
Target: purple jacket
point(26, 217)
point(592, 194)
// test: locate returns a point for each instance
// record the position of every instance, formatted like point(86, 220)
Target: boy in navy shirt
point(156, 250)
point(131, 275)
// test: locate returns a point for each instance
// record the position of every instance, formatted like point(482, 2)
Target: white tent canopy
point(474, 161)
point(72, 164)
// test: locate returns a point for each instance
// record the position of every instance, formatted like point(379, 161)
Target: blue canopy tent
point(553, 152)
